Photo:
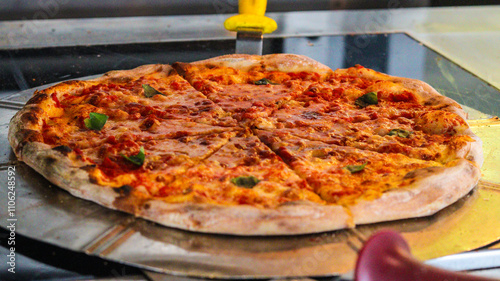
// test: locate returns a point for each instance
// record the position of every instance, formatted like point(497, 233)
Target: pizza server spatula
point(250, 26)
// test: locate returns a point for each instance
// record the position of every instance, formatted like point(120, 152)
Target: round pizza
point(252, 145)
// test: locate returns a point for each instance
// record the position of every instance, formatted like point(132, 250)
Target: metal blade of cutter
point(249, 41)
point(250, 26)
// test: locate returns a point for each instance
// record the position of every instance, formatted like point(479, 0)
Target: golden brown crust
point(431, 189)
point(22, 132)
point(295, 218)
point(272, 62)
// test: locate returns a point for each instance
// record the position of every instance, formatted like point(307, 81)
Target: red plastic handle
point(386, 256)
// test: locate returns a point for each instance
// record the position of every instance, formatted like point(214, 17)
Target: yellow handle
point(251, 17)
point(252, 7)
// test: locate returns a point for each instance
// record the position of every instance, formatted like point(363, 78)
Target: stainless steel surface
point(121, 278)
point(468, 261)
point(155, 276)
point(50, 214)
point(11, 104)
point(249, 42)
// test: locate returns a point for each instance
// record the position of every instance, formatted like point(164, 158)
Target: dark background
point(43, 9)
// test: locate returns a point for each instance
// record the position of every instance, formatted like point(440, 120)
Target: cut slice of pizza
point(377, 112)
point(120, 106)
point(252, 86)
point(123, 175)
point(374, 186)
point(149, 165)
point(150, 91)
point(385, 135)
point(415, 140)
point(252, 191)
point(245, 171)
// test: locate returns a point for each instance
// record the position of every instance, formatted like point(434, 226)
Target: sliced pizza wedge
point(250, 87)
point(252, 191)
point(369, 110)
point(374, 186)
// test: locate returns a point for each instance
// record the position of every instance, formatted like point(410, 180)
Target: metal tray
point(49, 214)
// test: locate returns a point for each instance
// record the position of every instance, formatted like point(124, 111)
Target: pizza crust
point(431, 190)
point(273, 62)
point(473, 151)
point(67, 173)
point(294, 218)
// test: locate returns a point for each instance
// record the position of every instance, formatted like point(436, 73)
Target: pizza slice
point(374, 186)
point(100, 128)
point(377, 112)
point(120, 106)
point(247, 189)
point(389, 136)
point(415, 140)
point(245, 171)
point(252, 86)
point(150, 90)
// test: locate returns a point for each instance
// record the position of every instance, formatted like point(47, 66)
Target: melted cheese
point(295, 135)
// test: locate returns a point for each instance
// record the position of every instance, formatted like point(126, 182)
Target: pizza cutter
point(250, 26)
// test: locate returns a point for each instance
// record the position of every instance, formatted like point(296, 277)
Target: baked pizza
point(252, 145)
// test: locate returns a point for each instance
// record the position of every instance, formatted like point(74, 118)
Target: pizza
point(252, 145)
